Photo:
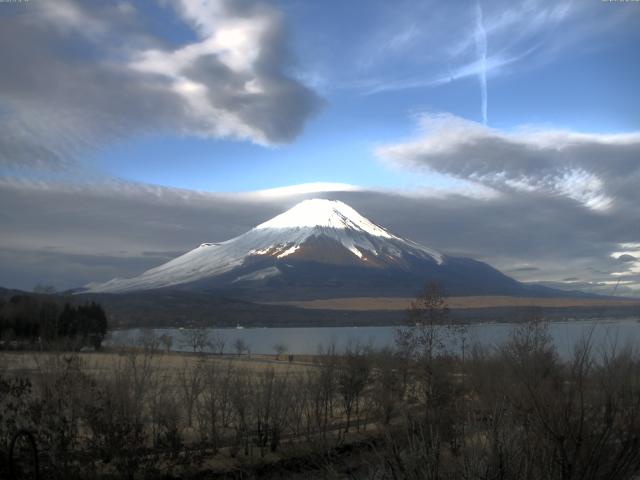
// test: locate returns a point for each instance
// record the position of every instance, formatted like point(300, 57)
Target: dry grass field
point(401, 303)
point(170, 364)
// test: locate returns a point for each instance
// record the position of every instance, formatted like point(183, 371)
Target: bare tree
point(353, 376)
point(271, 401)
point(279, 349)
point(218, 342)
point(190, 381)
point(148, 340)
point(320, 384)
point(116, 415)
point(241, 392)
point(215, 408)
point(196, 338)
point(424, 346)
point(166, 341)
point(387, 388)
point(426, 316)
point(240, 346)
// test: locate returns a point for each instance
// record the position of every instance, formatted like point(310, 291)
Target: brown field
point(26, 362)
point(400, 303)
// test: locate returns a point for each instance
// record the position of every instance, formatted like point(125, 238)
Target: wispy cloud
point(307, 188)
point(481, 50)
point(454, 44)
point(475, 68)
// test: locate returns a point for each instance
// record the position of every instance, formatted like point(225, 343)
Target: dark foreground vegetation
point(418, 411)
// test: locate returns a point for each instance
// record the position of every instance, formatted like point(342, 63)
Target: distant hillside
point(179, 308)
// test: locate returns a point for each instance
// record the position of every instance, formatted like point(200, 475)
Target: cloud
point(26, 268)
point(81, 74)
point(474, 68)
point(481, 50)
point(70, 234)
point(484, 39)
point(629, 254)
point(90, 218)
point(598, 171)
point(307, 188)
point(526, 269)
point(574, 194)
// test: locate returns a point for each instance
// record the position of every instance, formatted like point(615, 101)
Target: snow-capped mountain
point(323, 247)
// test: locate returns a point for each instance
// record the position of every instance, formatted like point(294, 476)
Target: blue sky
point(482, 105)
point(587, 83)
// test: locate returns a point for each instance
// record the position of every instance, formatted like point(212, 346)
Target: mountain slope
point(319, 248)
point(315, 230)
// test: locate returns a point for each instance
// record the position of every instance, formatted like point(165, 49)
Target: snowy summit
point(319, 212)
point(317, 230)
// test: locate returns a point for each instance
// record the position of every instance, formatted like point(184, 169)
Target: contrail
point(481, 50)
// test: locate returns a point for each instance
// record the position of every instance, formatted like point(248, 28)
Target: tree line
point(26, 319)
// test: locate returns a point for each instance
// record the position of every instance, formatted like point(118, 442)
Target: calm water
point(605, 334)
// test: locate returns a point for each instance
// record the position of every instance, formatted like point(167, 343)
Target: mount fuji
point(319, 249)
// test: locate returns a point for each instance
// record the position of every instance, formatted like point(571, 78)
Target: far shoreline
point(461, 302)
point(485, 316)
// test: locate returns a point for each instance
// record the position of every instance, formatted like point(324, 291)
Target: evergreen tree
point(32, 317)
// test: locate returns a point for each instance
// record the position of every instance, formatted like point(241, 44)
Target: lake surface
point(307, 340)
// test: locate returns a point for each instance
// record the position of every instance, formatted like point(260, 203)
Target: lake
point(306, 340)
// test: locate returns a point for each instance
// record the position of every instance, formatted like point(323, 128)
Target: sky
point(506, 131)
